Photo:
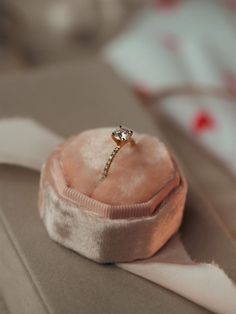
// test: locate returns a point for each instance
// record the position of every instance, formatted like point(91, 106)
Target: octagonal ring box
point(127, 216)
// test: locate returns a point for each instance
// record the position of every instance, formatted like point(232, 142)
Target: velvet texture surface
point(127, 216)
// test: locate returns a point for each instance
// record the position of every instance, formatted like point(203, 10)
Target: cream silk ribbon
point(205, 284)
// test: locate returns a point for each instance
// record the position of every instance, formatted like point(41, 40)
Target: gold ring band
point(120, 136)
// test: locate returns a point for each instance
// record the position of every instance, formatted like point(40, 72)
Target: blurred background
point(176, 56)
point(34, 33)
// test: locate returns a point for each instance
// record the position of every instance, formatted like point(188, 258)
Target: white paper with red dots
point(177, 42)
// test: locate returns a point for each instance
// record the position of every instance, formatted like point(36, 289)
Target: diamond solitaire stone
point(122, 134)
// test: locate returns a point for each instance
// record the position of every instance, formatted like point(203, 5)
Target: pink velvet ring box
point(127, 216)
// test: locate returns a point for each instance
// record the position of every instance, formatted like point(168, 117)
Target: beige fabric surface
point(3, 308)
point(63, 281)
point(218, 184)
point(214, 185)
point(212, 288)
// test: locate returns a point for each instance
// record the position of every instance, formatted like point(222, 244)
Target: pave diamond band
point(121, 136)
